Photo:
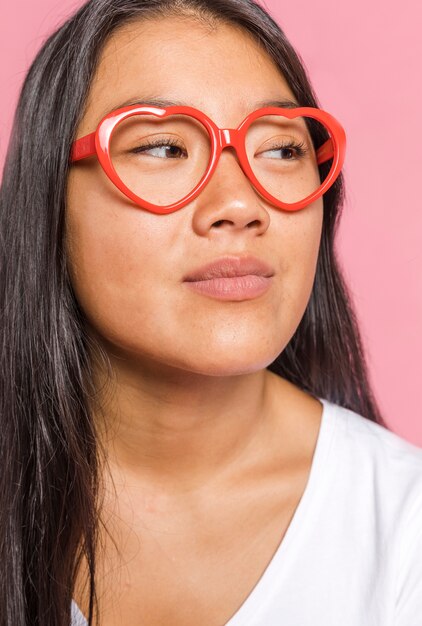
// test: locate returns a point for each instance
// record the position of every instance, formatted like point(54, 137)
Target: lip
point(232, 278)
point(229, 267)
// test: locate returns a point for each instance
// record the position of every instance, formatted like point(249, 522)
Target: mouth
point(232, 278)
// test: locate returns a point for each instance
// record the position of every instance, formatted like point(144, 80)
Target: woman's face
point(127, 264)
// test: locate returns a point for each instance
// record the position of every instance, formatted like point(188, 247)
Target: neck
point(179, 430)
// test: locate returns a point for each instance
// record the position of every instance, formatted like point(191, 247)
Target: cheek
point(299, 244)
point(113, 260)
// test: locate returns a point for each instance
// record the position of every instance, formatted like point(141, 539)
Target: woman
point(182, 445)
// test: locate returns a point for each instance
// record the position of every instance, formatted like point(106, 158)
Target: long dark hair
point(49, 478)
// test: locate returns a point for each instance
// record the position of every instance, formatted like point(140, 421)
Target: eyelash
point(300, 148)
point(158, 143)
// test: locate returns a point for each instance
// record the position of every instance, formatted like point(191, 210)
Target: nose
point(229, 201)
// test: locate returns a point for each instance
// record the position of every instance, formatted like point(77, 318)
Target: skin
point(191, 418)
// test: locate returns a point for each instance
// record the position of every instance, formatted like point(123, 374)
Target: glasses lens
point(283, 157)
point(160, 159)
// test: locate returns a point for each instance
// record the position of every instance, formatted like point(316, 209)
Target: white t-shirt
point(352, 554)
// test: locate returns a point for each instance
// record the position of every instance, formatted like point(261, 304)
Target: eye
point(290, 150)
point(162, 147)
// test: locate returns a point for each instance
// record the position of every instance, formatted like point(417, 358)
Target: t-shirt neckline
point(260, 593)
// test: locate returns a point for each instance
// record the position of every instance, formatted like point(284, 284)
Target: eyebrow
point(163, 102)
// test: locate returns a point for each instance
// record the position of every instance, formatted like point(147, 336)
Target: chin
point(234, 364)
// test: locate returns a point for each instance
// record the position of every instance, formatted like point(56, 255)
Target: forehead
point(220, 70)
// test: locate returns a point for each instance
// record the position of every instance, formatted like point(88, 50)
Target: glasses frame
point(98, 143)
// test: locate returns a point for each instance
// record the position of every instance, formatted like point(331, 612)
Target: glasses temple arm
point(325, 152)
point(83, 148)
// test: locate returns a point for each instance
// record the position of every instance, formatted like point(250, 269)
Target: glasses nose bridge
point(229, 137)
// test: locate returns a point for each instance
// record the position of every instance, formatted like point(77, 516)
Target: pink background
point(364, 59)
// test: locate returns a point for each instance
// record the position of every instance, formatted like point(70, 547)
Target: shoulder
point(375, 442)
point(377, 460)
point(375, 500)
point(367, 435)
